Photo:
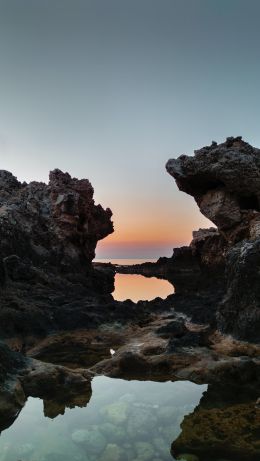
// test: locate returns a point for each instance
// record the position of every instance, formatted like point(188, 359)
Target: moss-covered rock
point(231, 432)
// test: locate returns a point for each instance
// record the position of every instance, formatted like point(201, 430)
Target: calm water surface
point(124, 421)
point(137, 287)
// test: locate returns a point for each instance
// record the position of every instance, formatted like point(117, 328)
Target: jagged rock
point(239, 312)
point(224, 179)
point(176, 328)
point(10, 362)
point(56, 224)
point(225, 182)
point(48, 235)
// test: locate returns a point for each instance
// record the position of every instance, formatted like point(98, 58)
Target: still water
point(137, 287)
point(123, 421)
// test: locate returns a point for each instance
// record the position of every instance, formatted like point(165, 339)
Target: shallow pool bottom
point(124, 421)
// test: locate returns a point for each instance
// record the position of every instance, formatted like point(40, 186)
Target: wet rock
point(175, 328)
point(10, 362)
point(131, 363)
point(190, 339)
point(225, 425)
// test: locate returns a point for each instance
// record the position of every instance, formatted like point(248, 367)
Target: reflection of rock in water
point(53, 408)
point(22, 377)
point(225, 424)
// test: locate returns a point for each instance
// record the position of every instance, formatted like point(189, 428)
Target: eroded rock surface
point(224, 179)
point(225, 425)
point(48, 235)
point(56, 224)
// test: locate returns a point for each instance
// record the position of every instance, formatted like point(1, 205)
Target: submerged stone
point(113, 432)
point(112, 453)
point(145, 451)
point(116, 413)
point(92, 439)
point(140, 422)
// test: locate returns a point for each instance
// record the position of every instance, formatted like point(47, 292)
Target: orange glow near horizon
point(149, 226)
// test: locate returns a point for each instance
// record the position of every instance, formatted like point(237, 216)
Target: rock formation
point(225, 425)
point(224, 179)
point(56, 225)
point(48, 235)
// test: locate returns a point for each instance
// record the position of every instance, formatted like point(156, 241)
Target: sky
point(111, 89)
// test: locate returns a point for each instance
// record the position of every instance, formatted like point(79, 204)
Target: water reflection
point(138, 287)
point(124, 420)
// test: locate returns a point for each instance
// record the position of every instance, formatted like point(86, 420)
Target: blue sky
point(110, 89)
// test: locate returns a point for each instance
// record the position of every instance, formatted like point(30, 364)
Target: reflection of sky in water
point(138, 287)
point(124, 420)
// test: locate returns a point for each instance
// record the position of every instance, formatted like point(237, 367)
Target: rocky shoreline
point(58, 318)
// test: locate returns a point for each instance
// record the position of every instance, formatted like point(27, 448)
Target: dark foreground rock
point(48, 235)
point(224, 179)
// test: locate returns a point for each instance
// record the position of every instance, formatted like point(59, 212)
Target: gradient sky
point(110, 89)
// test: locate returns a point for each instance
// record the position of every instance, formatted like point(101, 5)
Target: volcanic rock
point(224, 179)
point(48, 235)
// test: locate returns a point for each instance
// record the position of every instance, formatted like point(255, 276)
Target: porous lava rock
point(48, 236)
point(224, 179)
point(56, 225)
